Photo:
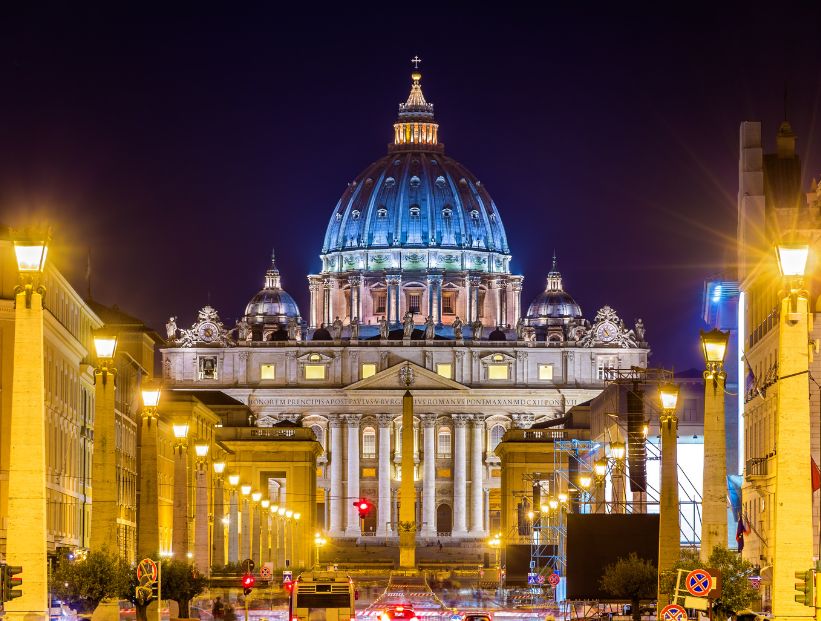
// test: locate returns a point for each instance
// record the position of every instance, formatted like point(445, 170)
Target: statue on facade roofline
point(520, 324)
point(243, 330)
point(355, 329)
point(477, 330)
point(293, 329)
point(430, 328)
point(336, 329)
point(407, 325)
point(640, 330)
point(383, 328)
point(457, 328)
point(171, 329)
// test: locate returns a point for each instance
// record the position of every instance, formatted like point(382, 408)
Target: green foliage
point(86, 582)
point(182, 583)
point(736, 591)
point(632, 579)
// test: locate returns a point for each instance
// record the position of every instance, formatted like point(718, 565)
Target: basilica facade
point(415, 291)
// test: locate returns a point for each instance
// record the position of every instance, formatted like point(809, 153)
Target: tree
point(181, 582)
point(86, 582)
point(633, 579)
point(737, 593)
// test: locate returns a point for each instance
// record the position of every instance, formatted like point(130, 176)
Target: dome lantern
point(415, 126)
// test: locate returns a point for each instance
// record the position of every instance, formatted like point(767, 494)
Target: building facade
point(415, 291)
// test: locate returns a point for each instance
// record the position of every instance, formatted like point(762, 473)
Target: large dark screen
point(595, 541)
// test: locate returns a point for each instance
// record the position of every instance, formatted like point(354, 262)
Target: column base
point(459, 534)
point(428, 532)
point(479, 534)
point(352, 533)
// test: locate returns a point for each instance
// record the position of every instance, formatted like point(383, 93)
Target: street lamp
point(181, 436)
point(714, 482)
point(585, 481)
point(669, 537)
point(233, 480)
point(617, 450)
point(265, 503)
point(104, 462)
point(245, 489)
point(201, 450)
point(319, 541)
point(219, 468)
point(790, 543)
point(27, 535)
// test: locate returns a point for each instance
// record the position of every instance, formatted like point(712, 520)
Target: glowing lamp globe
point(600, 467)
point(151, 397)
point(31, 256)
point(265, 503)
point(201, 449)
point(180, 430)
point(668, 394)
point(792, 259)
point(256, 496)
point(245, 489)
point(617, 450)
point(233, 480)
point(219, 467)
point(105, 346)
point(585, 482)
point(714, 345)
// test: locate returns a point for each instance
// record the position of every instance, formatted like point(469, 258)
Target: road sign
point(541, 579)
point(248, 566)
point(673, 612)
point(148, 569)
point(287, 575)
point(697, 603)
point(553, 579)
point(531, 578)
point(699, 583)
point(266, 571)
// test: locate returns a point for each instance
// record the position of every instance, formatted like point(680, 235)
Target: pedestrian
point(230, 615)
point(218, 609)
point(439, 541)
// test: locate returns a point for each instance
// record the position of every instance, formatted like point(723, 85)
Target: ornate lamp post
point(148, 527)
point(669, 533)
point(319, 541)
point(792, 537)
point(233, 523)
point(714, 503)
point(600, 472)
point(245, 531)
point(104, 463)
point(27, 534)
point(617, 452)
point(218, 529)
point(585, 481)
point(256, 525)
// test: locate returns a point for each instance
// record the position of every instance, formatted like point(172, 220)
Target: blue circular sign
point(699, 582)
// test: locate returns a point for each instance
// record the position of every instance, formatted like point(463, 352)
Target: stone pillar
point(503, 320)
point(256, 539)
point(791, 537)
point(669, 532)
point(714, 487)
point(27, 535)
point(468, 300)
point(327, 301)
point(355, 283)
point(476, 478)
point(435, 297)
point(336, 496)
point(516, 289)
point(317, 312)
point(407, 490)
point(245, 535)
point(383, 508)
point(265, 535)
point(429, 476)
point(494, 295)
point(279, 546)
point(459, 475)
point(394, 282)
point(201, 543)
point(179, 539)
point(475, 281)
point(104, 510)
point(218, 548)
point(233, 527)
point(353, 528)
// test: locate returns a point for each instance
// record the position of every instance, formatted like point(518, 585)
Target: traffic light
point(9, 585)
point(805, 585)
point(364, 506)
point(288, 585)
point(248, 582)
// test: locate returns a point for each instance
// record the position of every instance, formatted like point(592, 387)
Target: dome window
point(382, 212)
point(355, 214)
point(440, 181)
point(474, 214)
point(368, 181)
point(397, 162)
point(414, 211)
point(338, 217)
point(463, 181)
point(390, 182)
point(434, 163)
point(447, 212)
point(415, 181)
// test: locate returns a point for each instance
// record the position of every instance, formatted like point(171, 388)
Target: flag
point(740, 532)
point(816, 476)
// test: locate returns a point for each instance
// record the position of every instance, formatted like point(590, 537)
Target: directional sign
point(699, 582)
point(554, 579)
point(147, 569)
point(673, 612)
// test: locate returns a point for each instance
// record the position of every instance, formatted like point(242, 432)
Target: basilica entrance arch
point(444, 519)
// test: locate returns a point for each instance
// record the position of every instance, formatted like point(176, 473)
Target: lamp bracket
point(29, 286)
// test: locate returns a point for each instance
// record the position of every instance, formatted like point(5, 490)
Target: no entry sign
point(673, 612)
point(699, 582)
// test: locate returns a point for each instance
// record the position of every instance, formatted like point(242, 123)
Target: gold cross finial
point(416, 60)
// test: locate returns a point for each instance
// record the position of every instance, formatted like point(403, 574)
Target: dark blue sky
point(181, 146)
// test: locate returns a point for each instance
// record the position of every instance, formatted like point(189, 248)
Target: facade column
point(233, 526)
point(356, 296)
point(201, 543)
point(714, 487)
point(218, 546)
point(336, 494)
point(383, 509)
point(503, 321)
point(327, 301)
point(429, 476)
point(476, 478)
point(256, 540)
point(459, 475)
point(104, 464)
point(435, 297)
point(245, 535)
point(468, 301)
point(475, 281)
point(317, 311)
point(394, 282)
point(352, 527)
point(495, 298)
point(669, 530)
point(516, 288)
point(179, 540)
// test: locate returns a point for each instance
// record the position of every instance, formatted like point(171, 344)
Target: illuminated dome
point(552, 303)
point(416, 198)
point(272, 305)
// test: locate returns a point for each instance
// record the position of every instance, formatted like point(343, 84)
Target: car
point(401, 611)
point(477, 616)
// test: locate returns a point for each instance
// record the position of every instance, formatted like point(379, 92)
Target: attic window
point(368, 181)
point(415, 181)
point(497, 358)
point(440, 181)
point(382, 212)
point(414, 211)
point(447, 212)
point(338, 217)
point(355, 214)
point(397, 162)
point(433, 162)
point(390, 182)
point(474, 214)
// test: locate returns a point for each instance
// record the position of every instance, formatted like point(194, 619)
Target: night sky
point(181, 147)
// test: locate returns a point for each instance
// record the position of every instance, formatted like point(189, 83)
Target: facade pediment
point(406, 375)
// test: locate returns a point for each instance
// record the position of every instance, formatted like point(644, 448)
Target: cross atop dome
point(415, 126)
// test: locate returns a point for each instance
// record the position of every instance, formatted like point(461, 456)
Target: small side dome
point(271, 305)
point(554, 303)
point(321, 334)
point(497, 335)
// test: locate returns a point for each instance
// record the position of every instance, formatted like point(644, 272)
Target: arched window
point(319, 433)
point(496, 433)
point(368, 442)
point(443, 442)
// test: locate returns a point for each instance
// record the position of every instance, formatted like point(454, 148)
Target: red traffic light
point(248, 581)
point(288, 585)
point(364, 506)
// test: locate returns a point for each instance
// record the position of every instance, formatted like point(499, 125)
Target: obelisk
point(407, 490)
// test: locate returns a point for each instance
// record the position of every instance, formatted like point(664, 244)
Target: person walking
point(218, 609)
